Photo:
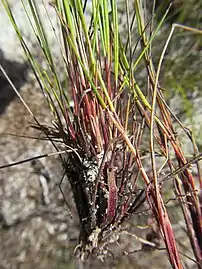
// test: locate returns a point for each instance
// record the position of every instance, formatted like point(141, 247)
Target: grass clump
point(120, 144)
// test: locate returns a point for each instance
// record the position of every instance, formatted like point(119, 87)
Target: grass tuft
point(114, 130)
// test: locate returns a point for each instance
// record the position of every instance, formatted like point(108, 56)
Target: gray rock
point(9, 43)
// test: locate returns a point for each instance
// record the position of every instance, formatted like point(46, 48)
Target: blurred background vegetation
point(182, 69)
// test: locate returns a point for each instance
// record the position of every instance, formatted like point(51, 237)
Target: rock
point(9, 42)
